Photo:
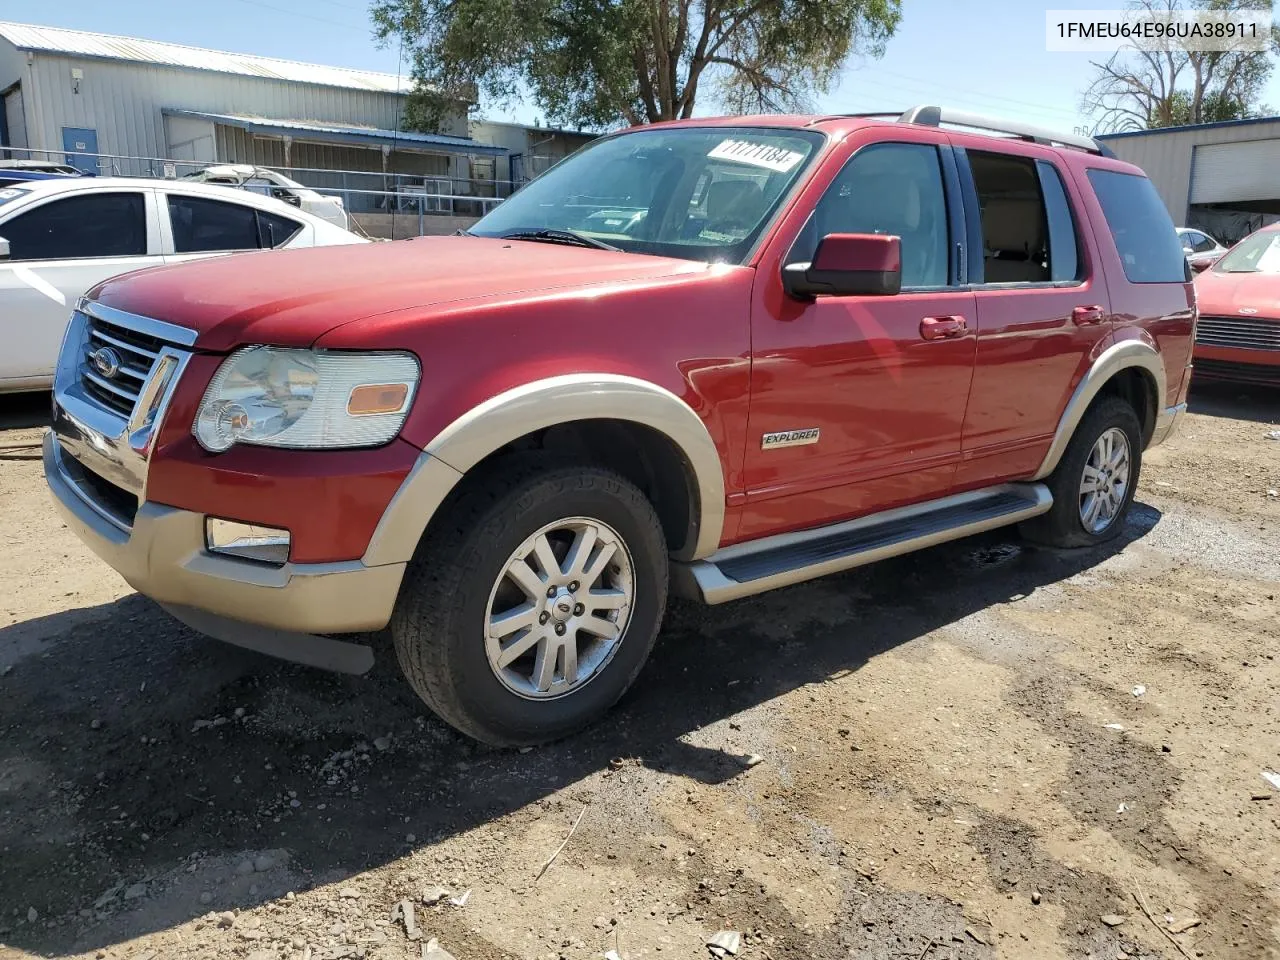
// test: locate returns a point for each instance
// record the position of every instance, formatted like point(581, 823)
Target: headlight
point(306, 398)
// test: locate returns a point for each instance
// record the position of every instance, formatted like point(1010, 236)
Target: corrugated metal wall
point(123, 102)
point(363, 166)
point(12, 66)
point(1167, 157)
point(237, 146)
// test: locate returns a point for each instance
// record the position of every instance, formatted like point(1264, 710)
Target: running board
point(749, 568)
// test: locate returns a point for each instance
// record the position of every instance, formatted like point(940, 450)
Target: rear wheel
point(1094, 484)
point(532, 612)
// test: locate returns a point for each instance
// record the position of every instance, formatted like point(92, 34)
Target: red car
point(714, 356)
point(1238, 336)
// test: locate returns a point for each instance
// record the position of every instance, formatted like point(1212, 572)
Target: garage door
point(1231, 172)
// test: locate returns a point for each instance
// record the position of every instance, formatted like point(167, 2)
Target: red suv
point(713, 356)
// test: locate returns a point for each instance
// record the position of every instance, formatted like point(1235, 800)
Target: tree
point(605, 62)
point(1146, 88)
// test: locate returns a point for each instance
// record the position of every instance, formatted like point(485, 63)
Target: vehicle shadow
point(21, 411)
point(110, 769)
point(1238, 401)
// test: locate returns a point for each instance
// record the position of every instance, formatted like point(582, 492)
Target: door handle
point(1084, 316)
point(943, 328)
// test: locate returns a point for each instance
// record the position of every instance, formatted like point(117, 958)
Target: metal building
point(111, 98)
point(531, 149)
point(1223, 178)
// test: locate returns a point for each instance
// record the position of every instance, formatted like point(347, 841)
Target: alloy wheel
point(559, 608)
point(1105, 482)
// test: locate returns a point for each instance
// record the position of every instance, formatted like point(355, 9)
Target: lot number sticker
point(756, 155)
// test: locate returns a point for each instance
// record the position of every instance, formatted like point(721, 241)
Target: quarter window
point(893, 189)
point(90, 226)
point(275, 231)
point(201, 225)
point(1145, 238)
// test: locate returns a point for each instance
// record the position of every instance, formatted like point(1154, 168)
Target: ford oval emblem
point(1248, 310)
point(105, 361)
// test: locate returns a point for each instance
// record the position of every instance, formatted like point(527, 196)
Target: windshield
point(698, 193)
point(1259, 253)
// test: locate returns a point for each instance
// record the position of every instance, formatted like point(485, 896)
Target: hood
point(1228, 294)
point(293, 297)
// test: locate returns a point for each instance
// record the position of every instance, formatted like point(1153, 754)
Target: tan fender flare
point(1117, 357)
point(538, 405)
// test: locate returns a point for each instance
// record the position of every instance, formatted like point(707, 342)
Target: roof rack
point(930, 116)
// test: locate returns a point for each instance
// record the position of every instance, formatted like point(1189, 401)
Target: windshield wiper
point(546, 235)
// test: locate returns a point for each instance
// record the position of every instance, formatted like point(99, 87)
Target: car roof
point(32, 176)
point(839, 126)
point(214, 191)
point(38, 165)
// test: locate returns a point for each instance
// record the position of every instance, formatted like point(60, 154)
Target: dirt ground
point(984, 750)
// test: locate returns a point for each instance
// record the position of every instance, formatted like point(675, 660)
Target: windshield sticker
point(764, 155)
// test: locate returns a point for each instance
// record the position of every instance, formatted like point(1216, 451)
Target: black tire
point(1063, 526)
point(439, 624)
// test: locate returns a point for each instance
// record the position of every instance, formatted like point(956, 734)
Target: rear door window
point(1145, 238)
point(201, 225)
point(1028, 231)
point(1064, 244)
point(84, 227)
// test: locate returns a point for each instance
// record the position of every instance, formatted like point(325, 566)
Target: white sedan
point(1198, 245)
point(269, 183)
point(59, 238)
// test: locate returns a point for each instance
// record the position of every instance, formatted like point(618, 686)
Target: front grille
point(1241, 333)
point(1239, 372)
point(136, 352)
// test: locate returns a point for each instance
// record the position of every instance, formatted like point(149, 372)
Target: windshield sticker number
point(763, 155)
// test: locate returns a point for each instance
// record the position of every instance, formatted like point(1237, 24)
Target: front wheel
point(1094, 484)
point(532, 612)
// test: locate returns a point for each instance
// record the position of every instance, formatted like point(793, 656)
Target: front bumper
point(1238, 365)
point(163, 556)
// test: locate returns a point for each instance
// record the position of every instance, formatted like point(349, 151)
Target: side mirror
point(1201, 264)
point(848, 265)
point(4, 249)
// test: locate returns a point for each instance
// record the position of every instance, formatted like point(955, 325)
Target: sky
point(984, 56)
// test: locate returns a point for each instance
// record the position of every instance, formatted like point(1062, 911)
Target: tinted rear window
point(1145, 237)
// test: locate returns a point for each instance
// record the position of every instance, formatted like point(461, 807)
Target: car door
point(200, 226)
point(59, 248)
point(1042, 304)
point(870, 390)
